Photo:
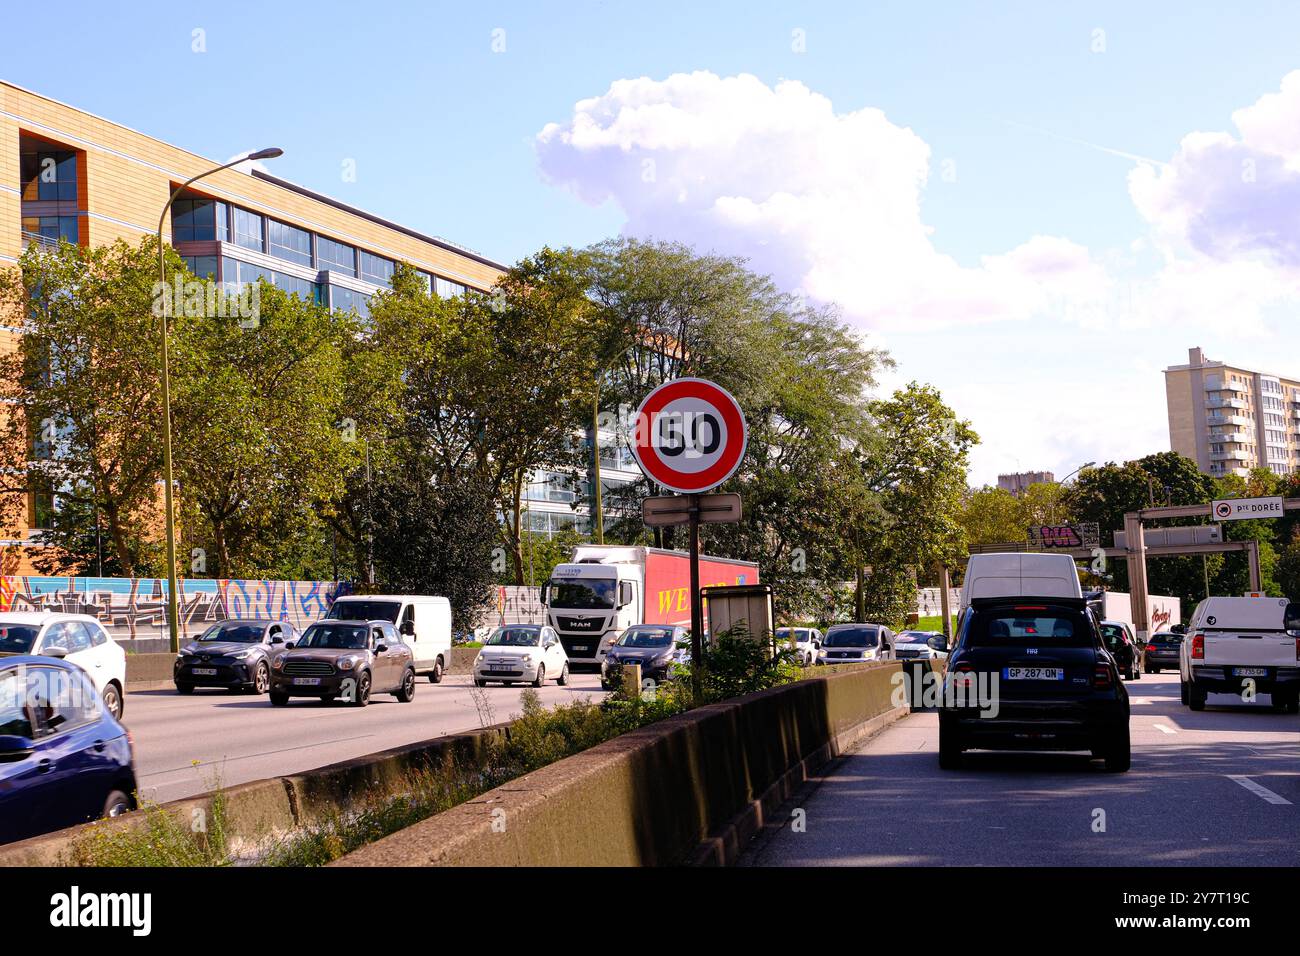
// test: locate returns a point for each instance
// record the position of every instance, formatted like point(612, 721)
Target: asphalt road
point(1217, 788)
point(187, 745)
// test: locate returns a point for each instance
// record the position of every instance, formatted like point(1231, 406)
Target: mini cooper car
point(344, 659)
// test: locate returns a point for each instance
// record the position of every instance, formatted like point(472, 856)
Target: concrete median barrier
point(689, 789)
point(149, 671)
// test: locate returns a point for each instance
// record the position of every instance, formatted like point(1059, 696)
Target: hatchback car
point(78, 638)
point(1032, 674)
point(854, 643)
point(921, 645)
point(64, 758)
point(1123, 647)
point(655, 647)
point(234, 654)
point(344, 659)
point(1161, 651)
point(522, 653)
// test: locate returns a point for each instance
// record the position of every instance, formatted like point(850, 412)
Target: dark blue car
point(63, 758)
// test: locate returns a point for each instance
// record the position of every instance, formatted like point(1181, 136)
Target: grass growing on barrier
point(160, 837)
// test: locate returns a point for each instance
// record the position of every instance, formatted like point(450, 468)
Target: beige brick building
point(67, 174)
point(1230, 419)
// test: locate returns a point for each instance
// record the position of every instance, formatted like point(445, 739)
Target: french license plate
point(205, 671)
point(1250, 672)
point(582, 647)
point(498, 667)
point(1034, 673)
point(306, 681)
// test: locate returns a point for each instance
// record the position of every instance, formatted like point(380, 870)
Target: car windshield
point(799, 634)
point(1113, 632)
point(914, 637)
point(583, 595)
point(17, 638)
point(1167, 639)
point(1029, 626)
point(647, 637)
point(365, 611)
point(336, 636)
point(234, 632)
point(852, 637)
point(515, 637)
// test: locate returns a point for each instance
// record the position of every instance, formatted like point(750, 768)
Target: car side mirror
point(408, 628)
point(381, 648)
point(289, 644)
point(1179, 629)
point(14, 748)
point(277, 639)
point(59, 652)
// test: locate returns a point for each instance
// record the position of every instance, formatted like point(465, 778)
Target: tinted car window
point(365, 611)
point(336, 636)
point(60, 700)
point(67, 635)
point(1292, 617)
point(95, 633)
point(647, 637)
point(1029, 627)
point(233, 633)
point(852, 637)
point(17, 638)
point(1167, 639)
point(14, 719)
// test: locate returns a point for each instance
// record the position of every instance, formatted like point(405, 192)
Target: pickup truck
point(1235, 644)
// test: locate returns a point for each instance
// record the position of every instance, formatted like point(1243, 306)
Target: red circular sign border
point(686, 482)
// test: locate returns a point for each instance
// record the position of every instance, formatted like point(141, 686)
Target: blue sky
point(443, 131)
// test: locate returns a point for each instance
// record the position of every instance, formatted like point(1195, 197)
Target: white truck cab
point(1236, 645)
point(592, 599)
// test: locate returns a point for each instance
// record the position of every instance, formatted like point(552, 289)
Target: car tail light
point(963, 675)
point(1151, 647)
point(1198, 647)
point(1101, 675)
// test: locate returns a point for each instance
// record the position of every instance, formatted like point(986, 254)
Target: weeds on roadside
point(160, 837)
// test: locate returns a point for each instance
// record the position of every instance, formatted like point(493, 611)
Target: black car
point(1162, 651)
point(653, 646)
point(1127, 654)
point(234, 654)
point(1033, 674)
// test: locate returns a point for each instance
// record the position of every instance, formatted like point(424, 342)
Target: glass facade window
point(249, 230)
point(48, 175)
point(288, 242)
point(427, 279)
point(199, 220)
point(376, 269)
point(203, 267)
point(343, 300)
point(236, 273)
point(335, 256)
point(48, 230)
point(447, 289)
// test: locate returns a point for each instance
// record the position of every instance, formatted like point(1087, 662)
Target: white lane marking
point(1258, 789)
point(1163, 729)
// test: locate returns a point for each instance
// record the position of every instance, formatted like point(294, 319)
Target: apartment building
point(1018, 481)
point(1230, 419)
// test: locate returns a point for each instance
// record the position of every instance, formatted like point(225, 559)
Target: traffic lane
point(185, 745)
point(889, 804)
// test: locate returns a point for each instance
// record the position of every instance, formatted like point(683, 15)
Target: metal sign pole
point(697, 605)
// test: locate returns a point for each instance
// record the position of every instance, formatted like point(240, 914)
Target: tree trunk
point(860, 598)
point(118, 534)
point(516, 532)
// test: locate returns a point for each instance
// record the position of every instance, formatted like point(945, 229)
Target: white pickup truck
point(1236, 644)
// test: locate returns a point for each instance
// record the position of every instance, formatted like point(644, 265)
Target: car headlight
point(278, 663)
point(243, 655)
point(347, 663)
point(528, 658)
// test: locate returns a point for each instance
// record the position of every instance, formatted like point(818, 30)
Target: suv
point(235, 654)
point(853, 643)
point(1032, 673)
point(348, 659)
point(1237, 643)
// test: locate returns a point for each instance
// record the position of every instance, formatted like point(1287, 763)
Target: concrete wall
point(687, 789)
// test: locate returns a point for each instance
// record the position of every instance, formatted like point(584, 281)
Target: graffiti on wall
point(136, 608)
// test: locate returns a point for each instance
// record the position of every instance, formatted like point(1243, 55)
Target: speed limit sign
point(690, 435)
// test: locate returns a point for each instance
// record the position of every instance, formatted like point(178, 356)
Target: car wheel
point(950, 749)
point(1119, 754)
point(261, 678)
point(278, 699)
point(406, 693)
point(113, 701)
point(1137, 672)
point(563, 679)
point(1285, 702)
point(117, 804)
point(541, 676)
point(1195, 696)
point(362, 695)
point(184, 688)
point(435, 675)
point(1155, 670)
point(479, 683)
point(1182, 692)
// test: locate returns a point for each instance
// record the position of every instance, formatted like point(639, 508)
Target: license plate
point(582, 647)
point(306, 681)
point(207, 671)
point(1034, 673)
point(1250, 671)
point(498, 667)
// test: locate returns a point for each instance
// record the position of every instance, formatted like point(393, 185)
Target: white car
point(921, 645)
point(1237, 643)
point(806, 642)
point(78, 638)
point(854, 643)
point(518, 653)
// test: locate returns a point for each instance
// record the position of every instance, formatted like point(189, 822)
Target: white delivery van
point(1237, 643)
point(424, 621)
point(1020, 574)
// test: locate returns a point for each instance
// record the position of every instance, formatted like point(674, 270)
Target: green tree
point(83, 385)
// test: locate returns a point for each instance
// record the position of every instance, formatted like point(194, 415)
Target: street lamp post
point(1061, 483)
point(173, 620)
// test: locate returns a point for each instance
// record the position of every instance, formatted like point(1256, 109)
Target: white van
point(424, 622)
point(1235, 643)
point(1020, 574)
